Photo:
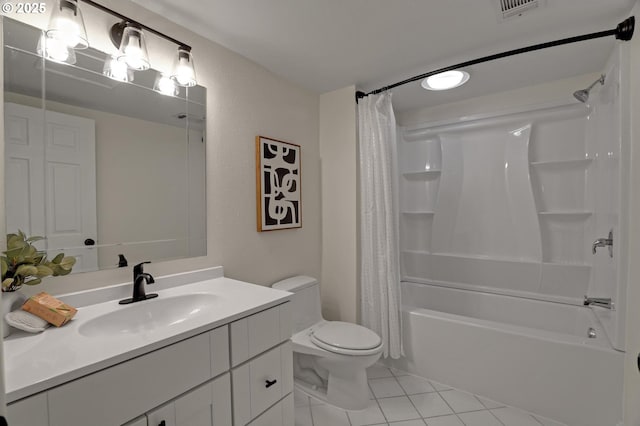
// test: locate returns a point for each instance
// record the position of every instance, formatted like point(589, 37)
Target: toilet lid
point(346, 335)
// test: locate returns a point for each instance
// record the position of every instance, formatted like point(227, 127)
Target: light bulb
point(56, 50)
point(166, 85)
point(183, 72)
point(133, 49)
point(117, 70)
point(67, 26)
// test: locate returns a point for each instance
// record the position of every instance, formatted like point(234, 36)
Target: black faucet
point(139, 279)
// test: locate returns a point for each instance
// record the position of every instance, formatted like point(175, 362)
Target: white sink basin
point(150, 315)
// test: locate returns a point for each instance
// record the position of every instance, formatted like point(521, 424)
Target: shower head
point(583, 95)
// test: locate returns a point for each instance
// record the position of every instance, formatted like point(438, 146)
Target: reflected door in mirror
point(51, 168)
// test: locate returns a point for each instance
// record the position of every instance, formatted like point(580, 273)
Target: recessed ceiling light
point(445, 80)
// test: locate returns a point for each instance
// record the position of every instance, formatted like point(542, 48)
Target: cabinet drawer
point(255, 334)
point(120, 393)
point(30, 411)
point(261, 382)
point(279, 414)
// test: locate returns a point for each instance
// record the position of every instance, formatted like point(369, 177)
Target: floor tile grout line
point(380, 408)
point(496, 417)
point(450, 407)
point(412, 403)
point(449, 388)
point(406, 396)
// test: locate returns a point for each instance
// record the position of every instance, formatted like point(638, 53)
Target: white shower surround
point(482, 203)
point(551, 201)
point(530, 354)
point(510, 202)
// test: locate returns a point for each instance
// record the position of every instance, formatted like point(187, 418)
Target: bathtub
point(531, 354)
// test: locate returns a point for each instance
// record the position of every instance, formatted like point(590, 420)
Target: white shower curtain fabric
point(380, 264)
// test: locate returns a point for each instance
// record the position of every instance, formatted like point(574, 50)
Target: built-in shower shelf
point(567, 213)
point(584, 162)
point(420, 213)
point(422, 174)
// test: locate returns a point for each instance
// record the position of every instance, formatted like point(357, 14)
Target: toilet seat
point(346, 338)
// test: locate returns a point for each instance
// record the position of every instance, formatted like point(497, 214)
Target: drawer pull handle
point(270, 383)
point(162, 423)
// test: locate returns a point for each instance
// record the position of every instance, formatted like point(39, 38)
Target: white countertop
point(37, 362)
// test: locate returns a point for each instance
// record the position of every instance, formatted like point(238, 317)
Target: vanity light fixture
point(133, 48)
point(183, 72)
point(117, 70)
point(445, 80)
point(55, 50)
point(166, 85)
point(67, 26)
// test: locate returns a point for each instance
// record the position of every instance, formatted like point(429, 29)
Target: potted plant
point(23, 264)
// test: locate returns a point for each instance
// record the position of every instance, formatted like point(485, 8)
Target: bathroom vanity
point(208, 351)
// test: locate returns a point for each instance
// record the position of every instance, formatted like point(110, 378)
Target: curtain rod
point(624, 31)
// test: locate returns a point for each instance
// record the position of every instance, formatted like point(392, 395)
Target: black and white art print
point(278, 195)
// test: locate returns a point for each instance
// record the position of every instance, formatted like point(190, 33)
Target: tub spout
point(603, 302)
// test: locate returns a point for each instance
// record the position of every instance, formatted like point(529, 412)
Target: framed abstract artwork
point(278, 192)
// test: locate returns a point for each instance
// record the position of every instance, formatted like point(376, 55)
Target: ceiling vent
point(508, 9)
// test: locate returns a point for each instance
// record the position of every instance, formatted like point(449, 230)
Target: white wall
point(555, 91)
point(632, 122)
point(243, 100)
point(339, 205)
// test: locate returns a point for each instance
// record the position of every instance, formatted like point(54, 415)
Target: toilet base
point(339, 381)
point(350, 392)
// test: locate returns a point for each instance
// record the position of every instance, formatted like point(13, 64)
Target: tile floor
point(399, 399)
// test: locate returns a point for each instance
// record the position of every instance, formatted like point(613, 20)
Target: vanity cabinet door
point(222, 400)
point(196, 407)
point(30, 411)
point(206, 405)
point(117, 394)
point(162, 416)
point(279, 414)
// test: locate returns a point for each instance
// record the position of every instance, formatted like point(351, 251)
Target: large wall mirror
point(101, 168)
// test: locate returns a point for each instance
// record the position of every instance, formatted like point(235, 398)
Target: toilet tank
point(305, 301)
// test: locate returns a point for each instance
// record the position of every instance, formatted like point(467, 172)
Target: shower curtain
point(379, 256)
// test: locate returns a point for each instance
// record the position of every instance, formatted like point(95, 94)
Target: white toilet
point(330, 358)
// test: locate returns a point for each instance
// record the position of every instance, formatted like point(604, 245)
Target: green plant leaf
point(44, 271)
point(23, 263)
point(5, 267)
point(26, 270)
point(33, 282)
point(29, 252)
point(67, 263)
point(14, 241)
point(14, 252)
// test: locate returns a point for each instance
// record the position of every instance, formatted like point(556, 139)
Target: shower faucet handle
point(604, 242)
